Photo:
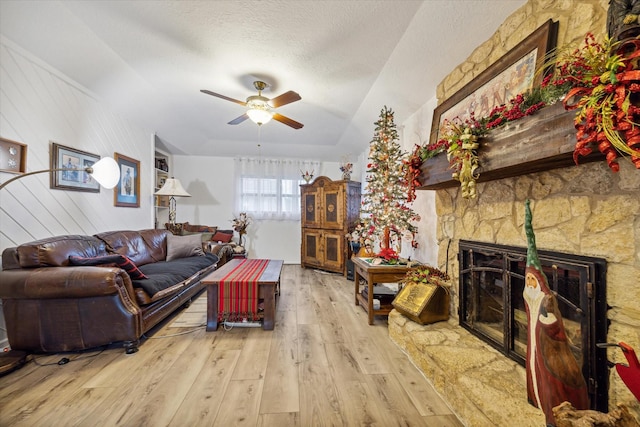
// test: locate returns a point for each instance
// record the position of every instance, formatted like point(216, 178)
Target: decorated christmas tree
point(384, 205)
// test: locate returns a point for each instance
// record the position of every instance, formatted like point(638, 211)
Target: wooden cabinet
point(330, 209)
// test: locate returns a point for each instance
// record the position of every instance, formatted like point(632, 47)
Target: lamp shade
point(259, 116)
point(172, 187)
point(106, 171)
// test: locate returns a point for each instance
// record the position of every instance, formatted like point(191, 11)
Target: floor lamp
point(107, 173)
point(173, 189)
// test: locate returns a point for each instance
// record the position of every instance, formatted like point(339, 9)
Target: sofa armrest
point(64, 282)
point(223, 251)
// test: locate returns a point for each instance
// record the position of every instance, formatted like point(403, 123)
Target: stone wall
point(586, 210)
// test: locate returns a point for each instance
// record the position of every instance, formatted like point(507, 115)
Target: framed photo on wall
point(13, 156)
point(73, 177)
point(127, 193)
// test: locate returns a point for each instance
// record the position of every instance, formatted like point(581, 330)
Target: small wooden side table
point(373, 274)
point(239, 255)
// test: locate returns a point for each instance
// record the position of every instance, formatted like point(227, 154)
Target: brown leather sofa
point(51, 306)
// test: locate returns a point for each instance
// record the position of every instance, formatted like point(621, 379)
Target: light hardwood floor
point(323, 365)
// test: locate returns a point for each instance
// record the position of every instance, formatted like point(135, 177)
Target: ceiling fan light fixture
point(259, 111)
point(259, 116)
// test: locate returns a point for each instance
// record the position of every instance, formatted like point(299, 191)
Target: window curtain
point(270, 188)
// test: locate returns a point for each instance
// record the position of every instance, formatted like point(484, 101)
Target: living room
point(40, 105)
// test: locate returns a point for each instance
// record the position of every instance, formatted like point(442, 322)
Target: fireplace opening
point(492, 306)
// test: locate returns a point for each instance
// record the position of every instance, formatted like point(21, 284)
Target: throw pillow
point(184, 246)
point(121, 261)
point(222, 237)
point(198, 228)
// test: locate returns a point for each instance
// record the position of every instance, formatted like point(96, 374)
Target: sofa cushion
point(55, 251)
point(118, 260)
point(183, 246)
point(168, 277)
point(142, 247)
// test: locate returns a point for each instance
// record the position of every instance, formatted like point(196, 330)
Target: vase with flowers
point(307, 176)
point(346, 168)
point(240, 224)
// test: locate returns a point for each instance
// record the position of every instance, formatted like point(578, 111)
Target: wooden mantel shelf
point(537, 143)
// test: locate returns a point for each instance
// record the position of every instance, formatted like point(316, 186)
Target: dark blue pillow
point(121, 261)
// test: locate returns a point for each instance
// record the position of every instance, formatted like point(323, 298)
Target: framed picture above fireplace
point(513, 73)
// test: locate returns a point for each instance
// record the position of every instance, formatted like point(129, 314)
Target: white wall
point(209, 180)
point(39, 105)
point(415, 130)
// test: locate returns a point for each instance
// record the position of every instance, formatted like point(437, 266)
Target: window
point(269, 188)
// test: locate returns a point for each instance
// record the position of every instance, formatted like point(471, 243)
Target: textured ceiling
point(347, 59)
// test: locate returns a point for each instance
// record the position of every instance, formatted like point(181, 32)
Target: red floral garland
point(601, 81)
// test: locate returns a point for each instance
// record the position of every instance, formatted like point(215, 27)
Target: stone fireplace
point(492, 306)
point(583, 210)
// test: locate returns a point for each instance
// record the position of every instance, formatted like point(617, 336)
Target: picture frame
point(126, 194)
point(512, 74)
point(76, 179)
point(13, 156)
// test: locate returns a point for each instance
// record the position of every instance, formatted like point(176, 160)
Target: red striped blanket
point(238, 291)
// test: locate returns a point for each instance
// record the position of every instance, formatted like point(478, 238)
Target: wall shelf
point(161, 203)
point(536, 143)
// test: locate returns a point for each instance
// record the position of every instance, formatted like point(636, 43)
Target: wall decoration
point(127, 192)
point(75, 179)
point(13, 156)
point(512, 74)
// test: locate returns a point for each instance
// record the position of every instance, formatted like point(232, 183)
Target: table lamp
point(172, 188)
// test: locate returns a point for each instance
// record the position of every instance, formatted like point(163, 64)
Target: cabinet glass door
point(333, 250)
point(311, 247)
point(332, 208)
point(310, 212)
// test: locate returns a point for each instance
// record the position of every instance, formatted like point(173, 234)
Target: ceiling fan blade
point(287, 121)
point(238, 120)
point(284, 99)
point(208, 92)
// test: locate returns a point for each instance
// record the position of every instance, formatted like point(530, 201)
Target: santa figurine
point(553, 374)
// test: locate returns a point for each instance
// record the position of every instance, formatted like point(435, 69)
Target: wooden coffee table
point(268, 289)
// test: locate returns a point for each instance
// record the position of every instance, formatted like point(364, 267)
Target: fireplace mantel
point(536, 143)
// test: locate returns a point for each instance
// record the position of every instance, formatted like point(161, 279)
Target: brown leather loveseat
point(77, 292)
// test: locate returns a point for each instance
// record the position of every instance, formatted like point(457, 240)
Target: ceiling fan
point(260, 108)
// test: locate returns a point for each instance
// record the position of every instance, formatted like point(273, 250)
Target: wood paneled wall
point(39, 105)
